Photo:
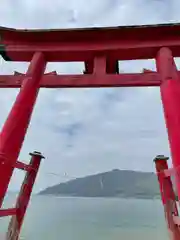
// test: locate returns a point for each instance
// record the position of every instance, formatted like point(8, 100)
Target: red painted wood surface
point(7, 212)
point(170, 94)
point(168, 197)
point(118, 43)
point(100, 49)
point(13, 132)
point(87, 80)
point(24, 197)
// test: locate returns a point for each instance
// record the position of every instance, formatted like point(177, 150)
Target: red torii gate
point(100, 49)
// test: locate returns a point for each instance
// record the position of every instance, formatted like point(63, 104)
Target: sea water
point(68, 218)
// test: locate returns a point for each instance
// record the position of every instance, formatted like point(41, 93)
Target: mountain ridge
point(114, 183)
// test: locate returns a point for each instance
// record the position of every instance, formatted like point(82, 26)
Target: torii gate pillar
point(15, 127)
point(170, 95)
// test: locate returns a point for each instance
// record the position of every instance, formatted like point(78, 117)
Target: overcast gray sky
point(85, 131)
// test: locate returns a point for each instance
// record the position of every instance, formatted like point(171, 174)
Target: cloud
point(84, 131)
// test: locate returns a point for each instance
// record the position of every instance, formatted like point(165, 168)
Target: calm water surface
point(53, 218)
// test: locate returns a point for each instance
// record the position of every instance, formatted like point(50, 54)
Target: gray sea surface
point(69, 218)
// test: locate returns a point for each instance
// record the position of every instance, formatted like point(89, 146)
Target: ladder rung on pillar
point(7, 212)
point(167, 172)
point(23, 166)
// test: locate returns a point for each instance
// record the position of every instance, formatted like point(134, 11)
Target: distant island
point(115, 183)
